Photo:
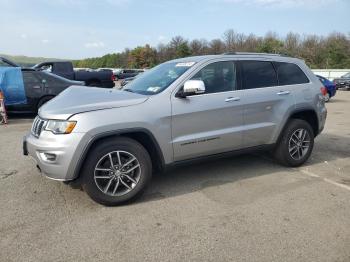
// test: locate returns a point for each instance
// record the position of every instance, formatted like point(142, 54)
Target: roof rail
point(251, 53)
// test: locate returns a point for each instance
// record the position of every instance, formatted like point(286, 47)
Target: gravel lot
point(246, 208)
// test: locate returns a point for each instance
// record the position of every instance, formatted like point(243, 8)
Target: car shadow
point(215, 172)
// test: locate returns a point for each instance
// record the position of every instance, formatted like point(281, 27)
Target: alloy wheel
point(117, 173)
point(299, 144)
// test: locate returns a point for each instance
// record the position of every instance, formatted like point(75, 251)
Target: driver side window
point(218, 77)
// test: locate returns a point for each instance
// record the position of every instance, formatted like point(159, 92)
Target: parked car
point(330, 86)
point(111, 141)
point(65, 69)
point(343, 81)
point(127, 73)
point(39, 87)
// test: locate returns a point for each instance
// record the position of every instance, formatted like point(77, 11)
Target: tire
point(44, 100)
point(298, 154)
point(109, 186)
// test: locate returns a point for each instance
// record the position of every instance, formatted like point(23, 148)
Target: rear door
point(209, 123)
point(266, 104)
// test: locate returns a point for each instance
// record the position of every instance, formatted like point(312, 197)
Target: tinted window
point(218, 77)
point(290, 74)
point(62, 67)
point(258, 74)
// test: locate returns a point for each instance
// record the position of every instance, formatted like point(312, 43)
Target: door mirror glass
point(194, 87)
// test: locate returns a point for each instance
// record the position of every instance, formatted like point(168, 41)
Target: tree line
point(331, 51)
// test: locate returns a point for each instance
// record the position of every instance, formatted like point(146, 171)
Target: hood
point(79, 99)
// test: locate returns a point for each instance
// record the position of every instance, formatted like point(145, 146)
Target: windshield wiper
point(128, 90)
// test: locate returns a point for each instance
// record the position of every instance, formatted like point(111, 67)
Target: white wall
point(330, 73)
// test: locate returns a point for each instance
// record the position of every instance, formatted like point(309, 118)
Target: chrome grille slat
point(38, 126)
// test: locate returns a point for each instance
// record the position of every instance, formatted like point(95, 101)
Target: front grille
point(38, 126)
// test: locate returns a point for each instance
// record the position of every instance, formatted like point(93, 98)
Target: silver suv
point(111, 141)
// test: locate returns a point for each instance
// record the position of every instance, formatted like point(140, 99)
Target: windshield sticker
point(153, 89)
point(187, 64)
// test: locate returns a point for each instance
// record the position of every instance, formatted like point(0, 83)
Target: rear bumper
point(322, 119)
point(56, 155)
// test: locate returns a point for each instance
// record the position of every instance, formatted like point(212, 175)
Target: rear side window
point(258, 74)
point(63, 67)
point(290, 74)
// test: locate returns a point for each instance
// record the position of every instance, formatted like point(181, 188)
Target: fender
point(118, 133)
point(296, 111)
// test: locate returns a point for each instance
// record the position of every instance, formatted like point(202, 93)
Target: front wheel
point(296, 143)
point(116, 171)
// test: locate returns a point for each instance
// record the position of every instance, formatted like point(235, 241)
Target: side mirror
point(193, 87)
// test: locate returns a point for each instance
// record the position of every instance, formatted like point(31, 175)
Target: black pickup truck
point(65, 69)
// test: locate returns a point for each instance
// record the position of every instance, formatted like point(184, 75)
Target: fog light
point(48, 157)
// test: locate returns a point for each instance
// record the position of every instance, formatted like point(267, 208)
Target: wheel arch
point(42, 98)
point(141, 135)
point(307, 114)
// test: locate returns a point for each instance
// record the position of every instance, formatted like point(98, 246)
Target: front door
point(209, 123)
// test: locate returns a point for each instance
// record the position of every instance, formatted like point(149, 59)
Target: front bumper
point(56, 155)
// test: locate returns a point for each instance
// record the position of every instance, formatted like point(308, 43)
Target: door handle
point(232, 99)
point(282, 93)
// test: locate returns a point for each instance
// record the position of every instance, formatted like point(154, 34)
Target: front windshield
point(158, 79)
point(346, 75)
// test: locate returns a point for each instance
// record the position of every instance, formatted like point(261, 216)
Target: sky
point(75, 29)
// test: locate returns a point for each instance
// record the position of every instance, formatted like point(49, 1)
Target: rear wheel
point(116, 171)
point(296, 144)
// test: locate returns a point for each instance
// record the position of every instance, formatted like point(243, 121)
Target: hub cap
point(117, 173)
point(299, 144)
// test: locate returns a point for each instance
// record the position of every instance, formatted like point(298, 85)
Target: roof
point(234, 54)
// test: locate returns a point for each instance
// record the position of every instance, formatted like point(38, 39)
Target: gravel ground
point(244, 208)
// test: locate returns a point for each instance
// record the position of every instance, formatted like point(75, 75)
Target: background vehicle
point(329, 85)
point(343, 81)
point(65, 69)
point(39, 87)
point(110, 141)
point(127, 73)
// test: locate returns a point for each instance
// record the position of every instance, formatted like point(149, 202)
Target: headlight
point(60, 127)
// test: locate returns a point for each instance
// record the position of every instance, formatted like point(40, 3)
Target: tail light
point(323, 91)
point(113, 77)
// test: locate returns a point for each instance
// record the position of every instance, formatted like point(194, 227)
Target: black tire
point(281, 152)
point(123, 144)
point(44, 100)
